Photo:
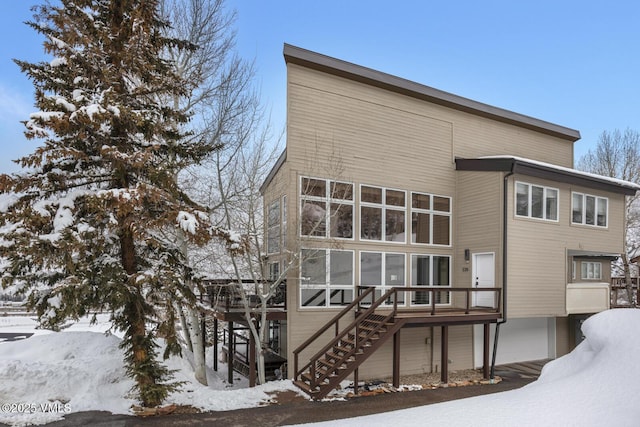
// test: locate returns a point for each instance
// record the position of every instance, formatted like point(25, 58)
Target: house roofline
point(274, 170)
point(547, 171)
point(340, 68)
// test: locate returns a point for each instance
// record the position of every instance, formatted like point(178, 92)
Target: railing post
point(295, 366)
point(432, 294)
point(468, 298)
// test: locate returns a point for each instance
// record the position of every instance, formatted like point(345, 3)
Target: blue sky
point(573, 63)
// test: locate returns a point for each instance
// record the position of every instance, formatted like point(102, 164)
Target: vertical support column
point(444, 355)
point(355, 382)
point(230, 353)
point(215, 344)
point(252, 360)
point(485, 354)
point(396, 359)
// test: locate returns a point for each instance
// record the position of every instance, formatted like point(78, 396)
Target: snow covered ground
point(44, 377)
point(51, 374)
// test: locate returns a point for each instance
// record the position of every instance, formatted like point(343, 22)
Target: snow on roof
point(615, 181)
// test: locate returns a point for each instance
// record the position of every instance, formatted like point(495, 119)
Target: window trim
point(431, 212)
point(328, 200)
point(327, 286)
point(593, 264)
point(383, 287)
point(283, 221)
point(431, 256)
point(276, 226)
point(545, 189)
point(383, 207)
point(583, 210)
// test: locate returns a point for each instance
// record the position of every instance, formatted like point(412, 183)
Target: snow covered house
point(420, 221)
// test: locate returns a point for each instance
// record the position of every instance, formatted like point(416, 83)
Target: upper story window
point(326, 208)
point(283, 232)
point(430, 219)
point(589, 210)
point(273, 227)
point(536, 201)
point(382, 214)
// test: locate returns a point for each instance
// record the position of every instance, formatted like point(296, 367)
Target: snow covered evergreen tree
point(81, 228)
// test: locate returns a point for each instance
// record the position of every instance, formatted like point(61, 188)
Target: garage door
point(520, 340)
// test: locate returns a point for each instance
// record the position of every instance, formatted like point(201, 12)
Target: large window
point(383, 270)
point(535, 201)
point(430, 270)
point(273, 227)
point(591, 270)
point(382, 214)
point(326, 208)
point(326, 278)
point(430, 219)
point(284, 221)
point(589, 210)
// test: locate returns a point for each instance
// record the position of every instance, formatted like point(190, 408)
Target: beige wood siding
point(344, 130)
point(538, 263)
point(321, 105)
point(478, 221)
point(415, 355)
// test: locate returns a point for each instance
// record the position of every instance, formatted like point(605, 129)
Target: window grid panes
point(430, 219)
point(283, 232)
point(430, 270)
point(590, 210)
point(383, 270)
point(326, 278)
point(591, 270)
point(273, 227)
point(326, 208)
point(382, 214)
point(536, 201)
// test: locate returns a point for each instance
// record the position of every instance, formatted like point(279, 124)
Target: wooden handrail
point(369, 310)
point(335, 320)
point(344, 332)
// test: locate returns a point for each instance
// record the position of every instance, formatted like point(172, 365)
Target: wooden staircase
point(349, 348)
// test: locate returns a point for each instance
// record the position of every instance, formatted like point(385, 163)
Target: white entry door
point(484, 276)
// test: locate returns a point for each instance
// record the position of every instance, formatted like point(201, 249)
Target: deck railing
point(620, 295)
point(366, 302)
point(225, 295)
point(421, 297)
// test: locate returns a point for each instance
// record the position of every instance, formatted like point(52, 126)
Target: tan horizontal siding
point(415, 353)
point(478, 221)
point(538, 264)
point(472, 135)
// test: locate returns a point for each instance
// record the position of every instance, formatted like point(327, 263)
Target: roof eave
point(508, 164)
point(274, 170)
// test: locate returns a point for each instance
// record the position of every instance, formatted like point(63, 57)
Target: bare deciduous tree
point(617, 155)
point(223, 108)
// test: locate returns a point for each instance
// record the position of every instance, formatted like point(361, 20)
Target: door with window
point(484, 276)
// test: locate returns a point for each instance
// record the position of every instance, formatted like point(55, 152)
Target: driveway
point(298, 411)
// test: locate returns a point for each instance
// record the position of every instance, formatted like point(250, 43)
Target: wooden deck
point(379, 318)
point(448, 316)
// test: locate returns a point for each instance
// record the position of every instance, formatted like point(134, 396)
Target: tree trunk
point(197, 338)
point(185, 328)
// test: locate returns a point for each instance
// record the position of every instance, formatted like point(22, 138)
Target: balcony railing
point(620, 295)
point(227, 296)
